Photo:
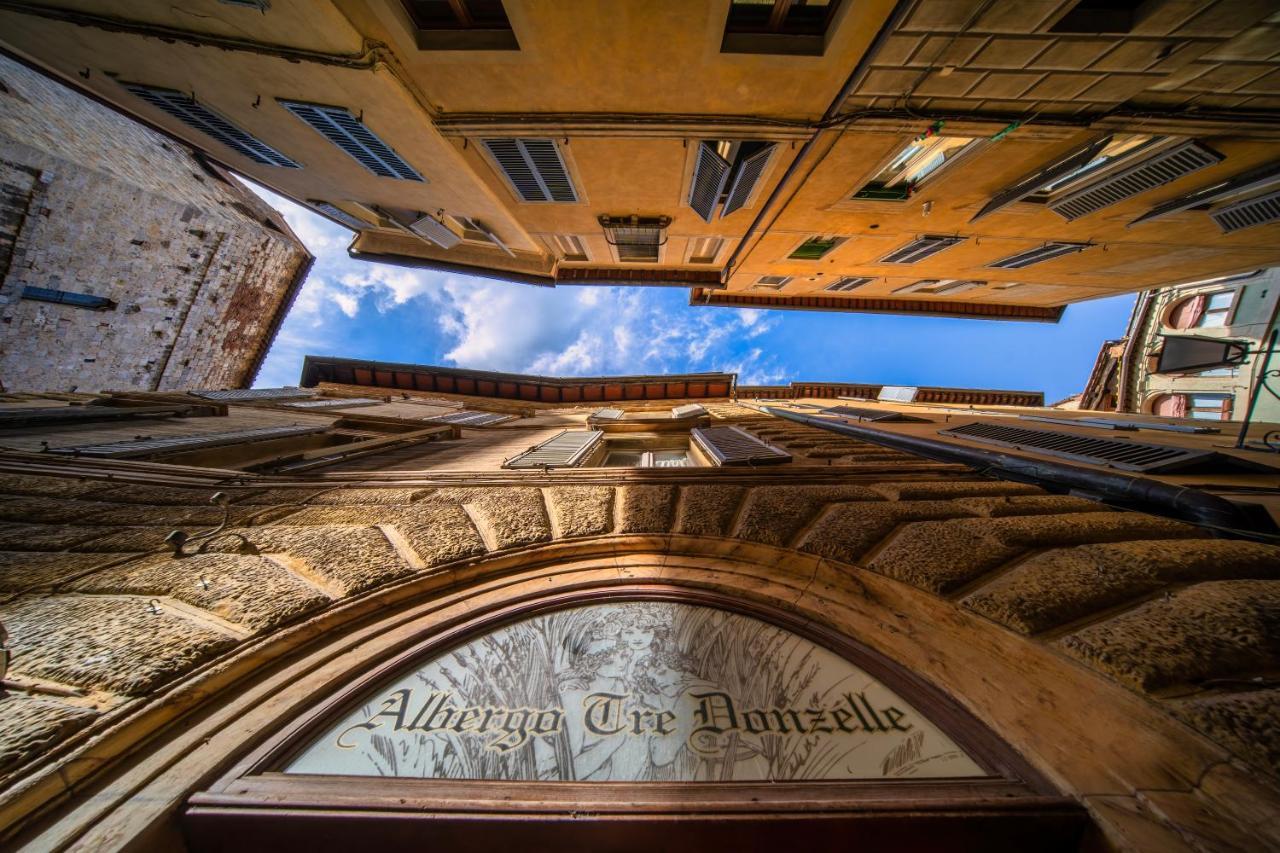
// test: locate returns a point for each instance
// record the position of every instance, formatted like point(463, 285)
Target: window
point(1209, 407)
point(705, 250)
point(435, 231)
point(1136, 170)
point(815, 248)
point(847, 283)
point(919, 249)
point(1247, 213)
point(461, 25)
point(1039, 255)
point(913, 165)
point(569, 247)
point(647, 459)
point(336, 213)
point(475, 231)
point(796, 27)
point(726, 173)
point(534, 168)
point(1241, 184)
point(1217, 309)
point(636, 239)
point(1099, 16)
point(567, 449)
point(184, 108)
point(1118, 149)
point(940, 286)
point(1202, 311)
point(350, 134)
point(64, 297)
point(771, 282)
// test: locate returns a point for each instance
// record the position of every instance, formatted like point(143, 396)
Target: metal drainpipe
point(1181, 502)
point(895, 17)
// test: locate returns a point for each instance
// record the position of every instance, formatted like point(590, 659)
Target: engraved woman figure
point(592, 694)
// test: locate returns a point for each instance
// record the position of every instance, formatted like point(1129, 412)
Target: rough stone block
point(1211, 630)
point(580, 510)
point(275, 497)
point(437, 532)
point(32, 724)
point(345, 496)
point(166, 495)
point(932, 490)
point(847, 531)
point(21, 570)
point(942, 556)
point(775, 514)
point(106, 642)
point(507, 516)
point(345, 560)
point(252, 591)
point(708, 510)
point(55, 487)
point(645, 509)
point(1062, 585)
point(998, 507)
point(1246, 723)
point(48, 537)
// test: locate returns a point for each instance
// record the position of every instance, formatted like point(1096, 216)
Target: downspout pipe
point(1141, 493)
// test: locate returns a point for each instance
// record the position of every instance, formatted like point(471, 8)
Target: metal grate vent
point(1039, 255)
point(349, 133)
point(710, 174)
point(179, 443)
point(471, 419)
point(534, 168)
point(730, 445)
point(918, 250)
point(847, 283)
point(744, 183)
point(237, 394)
point(1247, 213)
point(332, 211)
point(1153, 172)
point(567, 450)
point(185, 109)
point(1124, 455)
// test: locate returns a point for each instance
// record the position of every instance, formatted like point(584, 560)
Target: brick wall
point(93, 203)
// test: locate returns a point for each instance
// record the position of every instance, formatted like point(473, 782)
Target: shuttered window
point(185, 109)
point(693, 410)
point(570, 247)
point(1248, 213)
point(847, 283)
point(235, 395)
point(471, 419)
point(534, 169)
point(705, 250)
point(636, 239)
point(352, 403)
point(727, 172)
point(1155, 171)
point(919, 249)
point(815, 248)
point(1066, 167)
point(568, 449)
point(435, 231)
point(1039, 255)
point(334, 212)
point(710, 174)
point(608, 414)
point(1246, 182)
point(744, 182)
point(940, 287)
point(729, 445)
point(349, 133)
point(1124, 455)
point(772, 282)
point(181, 443)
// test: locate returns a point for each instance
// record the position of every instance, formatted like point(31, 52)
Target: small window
point(815, 248)
point(461, 25)
point(350, 134)
point(1099, 16)
point(913, 165)
point(64, 297)
point(705, 250)
point(795, 27)
point(1217, 309)
point(1122, 148)
point(941, 286)
point(919, 249)
point(1209, 407)
point(847, 283)
point(647, 459)
point(570, 247)
point(771, 282)
point(534, 168)
point(636, 239)
point(1039, 255)
point(726, 173)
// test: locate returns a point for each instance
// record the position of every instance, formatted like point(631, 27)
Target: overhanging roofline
point(414, 262)
point(917, 307)
point(925, 394)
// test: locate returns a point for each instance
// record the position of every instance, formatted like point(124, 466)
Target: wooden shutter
point(919, 249)
point(349, 133)
point(607, 414)
point(693, 410)
point(729, 445)
point(1124, 455)
point(534, 168)
point(178, 443)
point(1154, 171)
point(568, 449)
point(470, 419)
point(432, 229)
point(236, 395)
point(710, 173)
point(745, 183)
point(185, 109)
point(1247, 213)
point(1188, 312)
point(1245, 182)
point(1031, 184)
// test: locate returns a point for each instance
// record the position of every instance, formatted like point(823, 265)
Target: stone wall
point(93, 203)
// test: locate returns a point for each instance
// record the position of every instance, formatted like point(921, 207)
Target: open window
point(815, 248)
point(796, 27)
point(725, 175)
point(917, 162)
point(461, 25)
point(1202, 311)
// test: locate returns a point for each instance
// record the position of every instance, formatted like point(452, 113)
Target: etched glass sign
point(636, 691)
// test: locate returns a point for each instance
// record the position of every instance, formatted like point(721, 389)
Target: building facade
point(127, 260)
point(417, 604)
point(1244, 310)
point(964, 158)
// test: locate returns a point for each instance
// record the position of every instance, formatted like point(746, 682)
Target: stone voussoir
point(773, 515)
point(645, 509)
point(32, 724)
point(580, 510)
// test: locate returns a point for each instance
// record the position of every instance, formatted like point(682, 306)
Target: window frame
point(463, 34)
point(831, 241)
point(911, 191)
point(775, 35)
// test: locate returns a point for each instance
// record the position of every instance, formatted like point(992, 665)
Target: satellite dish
point(1192, 353)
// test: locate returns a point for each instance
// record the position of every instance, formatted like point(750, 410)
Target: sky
point(358, 309)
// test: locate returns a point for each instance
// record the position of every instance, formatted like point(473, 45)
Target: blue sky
point(356, 309)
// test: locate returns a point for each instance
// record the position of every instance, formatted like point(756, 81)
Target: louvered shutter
point(1124, 455)
point(436, 231)
point(534, 168)
point(1155, 171)
point(745, 182)
point(335, 212)
point(352, 403)
point(918, 250)
point(607, 414)
point(1247, 213)
point(566, 450)
point(1245, 182)
point(178, 443)
point(1039, 255)
point(1027, 186)
point(234, 395)
point(729, 445)
point(471, 419)
point(693, 410)
point(709, 176)
point(185, 109)
point(347, 132)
